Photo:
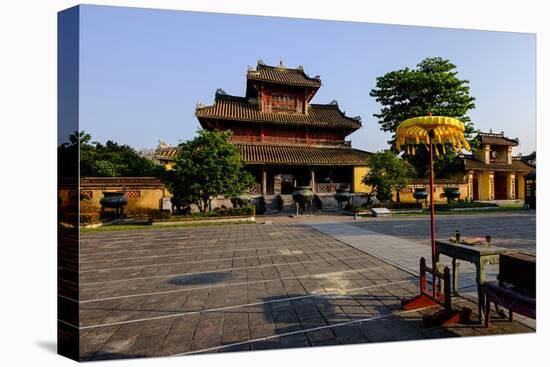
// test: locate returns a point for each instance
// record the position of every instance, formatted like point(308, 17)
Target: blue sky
point(143, 71)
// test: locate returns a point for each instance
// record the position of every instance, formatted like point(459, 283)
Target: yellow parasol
point(429, 131)
point(445, 130)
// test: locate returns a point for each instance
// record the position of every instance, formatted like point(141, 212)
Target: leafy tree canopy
point(387, 173)
point(433, 86)
point(109, 159)
point(207, 166)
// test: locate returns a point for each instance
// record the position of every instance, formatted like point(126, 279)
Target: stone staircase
point(279, 203)
point(287, 204)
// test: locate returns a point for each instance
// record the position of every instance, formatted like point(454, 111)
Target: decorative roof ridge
point(230, 97)
point(491, 133)
point(325, 105)
point(255, 73)
point(333, 105)
point(496, 135)
point(299, 69)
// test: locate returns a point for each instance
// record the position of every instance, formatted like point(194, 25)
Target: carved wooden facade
point(281, 134)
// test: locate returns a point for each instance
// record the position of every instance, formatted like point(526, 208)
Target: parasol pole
point(432, 212)
point(415, 130)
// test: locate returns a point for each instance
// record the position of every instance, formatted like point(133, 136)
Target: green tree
point(387, 173)
point(432, 87)
point(112, 159)
point(207, 166)
point(109, 160)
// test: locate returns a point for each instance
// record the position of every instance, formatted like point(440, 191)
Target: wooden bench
point(510, 298)
point(515, 289)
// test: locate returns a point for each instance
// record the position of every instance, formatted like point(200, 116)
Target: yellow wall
point(406, 194)
point(148, 201)
point(144, 194)
point(358, 173)
point(486, 185)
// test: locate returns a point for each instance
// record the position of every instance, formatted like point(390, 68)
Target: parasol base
point(420, 301)
point(447, 317)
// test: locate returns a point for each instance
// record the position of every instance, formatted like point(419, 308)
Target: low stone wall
point(144, 194)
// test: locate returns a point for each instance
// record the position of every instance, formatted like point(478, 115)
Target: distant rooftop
point(497, 139)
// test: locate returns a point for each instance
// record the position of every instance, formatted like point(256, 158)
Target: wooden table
point(479, 255)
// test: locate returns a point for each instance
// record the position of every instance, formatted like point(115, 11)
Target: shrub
point(460, 205)
point(217, 212)
point(161, 214)
point(403, 205)
point(247, 210)
point(89, 218)
point(360, 208)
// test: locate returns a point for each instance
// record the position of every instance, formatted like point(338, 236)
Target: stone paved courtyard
point(515, 230)
point(174, 291)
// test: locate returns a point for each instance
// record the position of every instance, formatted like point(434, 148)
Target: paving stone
point(241, 265)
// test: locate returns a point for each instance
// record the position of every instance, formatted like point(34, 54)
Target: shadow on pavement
point(199, 279)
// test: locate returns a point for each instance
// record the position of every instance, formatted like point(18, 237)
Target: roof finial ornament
point(281, 65)
point(162, 144)
point(261, 62)
point(334, 102)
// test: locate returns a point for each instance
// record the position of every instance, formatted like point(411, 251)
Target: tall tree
point(387, 173)
point(431, 87)
point(207, 166)
point(110, 159)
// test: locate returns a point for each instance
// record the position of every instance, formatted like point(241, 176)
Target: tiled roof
point(282, 75)
point(516, 166)
point(289, 155)
point(496, 139)
point(235, 108)
point(276, 154)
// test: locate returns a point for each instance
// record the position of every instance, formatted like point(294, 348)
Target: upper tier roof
point(235, 108)
point(496, 139)
point(282, 75)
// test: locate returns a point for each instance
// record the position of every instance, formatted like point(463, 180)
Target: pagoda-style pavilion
point(492, 172)
point(284, 138)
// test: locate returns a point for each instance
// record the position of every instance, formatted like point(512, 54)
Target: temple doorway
point(500, 186)
point(283, 183)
